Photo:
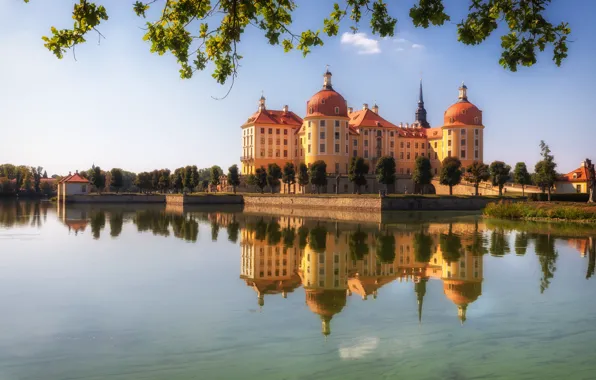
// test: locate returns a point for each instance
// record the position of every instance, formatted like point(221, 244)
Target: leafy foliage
point(450, 173)
point(476, 173)
point(233, 177)
point(521, 176)
point(500, 174)
point(289, 175)
point(273, 176)
point(97, 178)
point(358, 245)
point(386, 248)
point(357, 172)
point(422, 174)
point(318, 174)
point(116, 180)
point(208, 33)
point(385, 170)
point(261, 178)
point(545, 173)
point(422, 245)
point(303, 178)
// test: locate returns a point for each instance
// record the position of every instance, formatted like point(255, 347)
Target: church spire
point(421, 111)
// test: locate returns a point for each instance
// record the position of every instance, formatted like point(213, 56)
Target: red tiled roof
point(275, 117)
point(578, 175)
point(324, 102)
point(463, 113)
point(74, 178)
point(367, 118)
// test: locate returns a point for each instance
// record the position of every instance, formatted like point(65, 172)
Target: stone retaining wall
point(304, 201)
point(115, 199)
point(179, 199)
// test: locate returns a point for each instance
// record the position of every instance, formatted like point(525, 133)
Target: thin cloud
point(401, 41)
point(417, 46)
point(363, 44)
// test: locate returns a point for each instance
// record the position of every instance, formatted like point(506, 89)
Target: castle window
point(322, 101)
point(379, 133)
point(416, 155)
point(365, 133)
point(277, 131)
point(337, 135)
point(337, 110)
point(416, 145)
point(408, 156)
point(463, 112)
point(392, 155)
point(285, 131)
point(476, 132)
point(449, 132)
point(310, 111)
point(463, 141)
point(355, 142)
point(285, 142)
point(347, 148)
point(337, 148)
point(401, 144)
point(322, 123)
point(309, 135)
point(463, 153)
point(391, 134)
point(322, 135)
point(337, 123)
point(476, 142)
point(355, 153)
point(401, 156)
point(365, 142)
point(450, 121)
point(476, 119)
point(448, 153)
point(408, 172)
point(448, 142)
point(391, 144)
point(366, 154)
point(463, 132)
point(408, 145)
point(322, 148)
point(285, 153)
point(262, 130)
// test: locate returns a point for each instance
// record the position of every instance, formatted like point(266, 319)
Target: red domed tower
point(463, 130)
point(324, 131)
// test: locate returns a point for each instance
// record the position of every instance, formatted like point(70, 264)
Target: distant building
point(575, 181)
point(72, 184)
point(333, 132)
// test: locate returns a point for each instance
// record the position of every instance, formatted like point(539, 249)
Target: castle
point(333, 132)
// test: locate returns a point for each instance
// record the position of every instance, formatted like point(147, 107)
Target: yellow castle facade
point(333, 132)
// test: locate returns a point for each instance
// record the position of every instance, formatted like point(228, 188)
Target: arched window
point(322, 101)
point(463, 112)
point(476, 120)
point(310, 110)
point(450, 119)
point(337, 110)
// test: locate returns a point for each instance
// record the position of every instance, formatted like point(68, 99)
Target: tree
point(303, 178)
point(521, 176)
point(422, 174)
point(545, 170)
point(143, 181)
point(357, 172)
point(187, 179)
point(176, 180)
point(37, 175)
point(385, 170)
point(289, 175)
point(233, 177)
point(476, 173)
point(500, 174)
point(194, 177)
point(591, 180)
point(273, 176)
point(261, 178)
point(164, 180)
point(318, 174)
point(214, 174)
point(450, 173)
point(220, 24)
point(18, 181)
point(116, 180)
point(97, 178)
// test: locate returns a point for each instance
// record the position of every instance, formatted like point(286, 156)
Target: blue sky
point(119, 105)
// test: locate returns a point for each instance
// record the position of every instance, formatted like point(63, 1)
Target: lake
point(149, 292)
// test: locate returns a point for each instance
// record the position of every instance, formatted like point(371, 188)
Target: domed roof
point(325, 302)
point(463, 112)
point(327, 102)
point(462, 292)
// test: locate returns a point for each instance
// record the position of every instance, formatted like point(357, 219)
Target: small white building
point(72, 184)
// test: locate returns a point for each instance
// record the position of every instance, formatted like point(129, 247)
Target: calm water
point(106, 292)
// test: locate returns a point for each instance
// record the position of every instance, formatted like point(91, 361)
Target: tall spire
point(420, 289)
point(463, 93)
point(421, 111)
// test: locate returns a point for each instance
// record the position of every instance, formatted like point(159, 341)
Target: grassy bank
point(542, 211)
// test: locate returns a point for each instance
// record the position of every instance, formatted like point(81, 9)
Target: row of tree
point(28, 179)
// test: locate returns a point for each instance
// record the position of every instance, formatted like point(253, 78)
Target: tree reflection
point(214, 230)
point(521, 243)
point(358, 244)
point(116, 221)
point(273, 232)
point(261, 230)
point(98, 222)
point(233, 229)
point(318, 239)
point(422, 244)
point(155, 221)
point(450, 245)
point(591, 257)
point(302, 237)
point(499, 243)
point(386, 248)
point(288, 236)
point(544, 245)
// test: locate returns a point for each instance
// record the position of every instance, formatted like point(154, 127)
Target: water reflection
point(334, 260)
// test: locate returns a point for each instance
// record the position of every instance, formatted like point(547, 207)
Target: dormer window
point(322, 101)
point(574, 175)
point(450, 119)
point(463, 112)
point(310, 110)
point(337, 110)
point(476, 120)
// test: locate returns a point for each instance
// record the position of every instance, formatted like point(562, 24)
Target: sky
point(118, 105)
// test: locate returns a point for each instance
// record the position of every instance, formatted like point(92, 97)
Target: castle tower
point(421, 111)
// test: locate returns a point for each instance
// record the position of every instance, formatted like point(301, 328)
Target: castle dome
point(326, 302)
point(462, 293)
point(327, 102)
point(463, 112)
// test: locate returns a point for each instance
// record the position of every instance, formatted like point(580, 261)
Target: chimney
point(407, 126)
point(76, 172)
point(350, 110)
point(375, 108)
point(69, 173)
point(365, 106)
point(285, 109)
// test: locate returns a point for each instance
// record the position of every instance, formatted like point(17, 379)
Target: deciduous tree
point(289, 175)
point(385, 170)
point(476, 173)
point(261, 178)
point(214, 174)
point(318, 174)
point(500, 174)
point(521, 176)
point(116, 180)
point(422, 174)
point(303, 178)
point(450, 173)
point(357, 172)
point(201, 34)
point(273, 176)
point(233, 177)
point(97, 178)
point(545, 170)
